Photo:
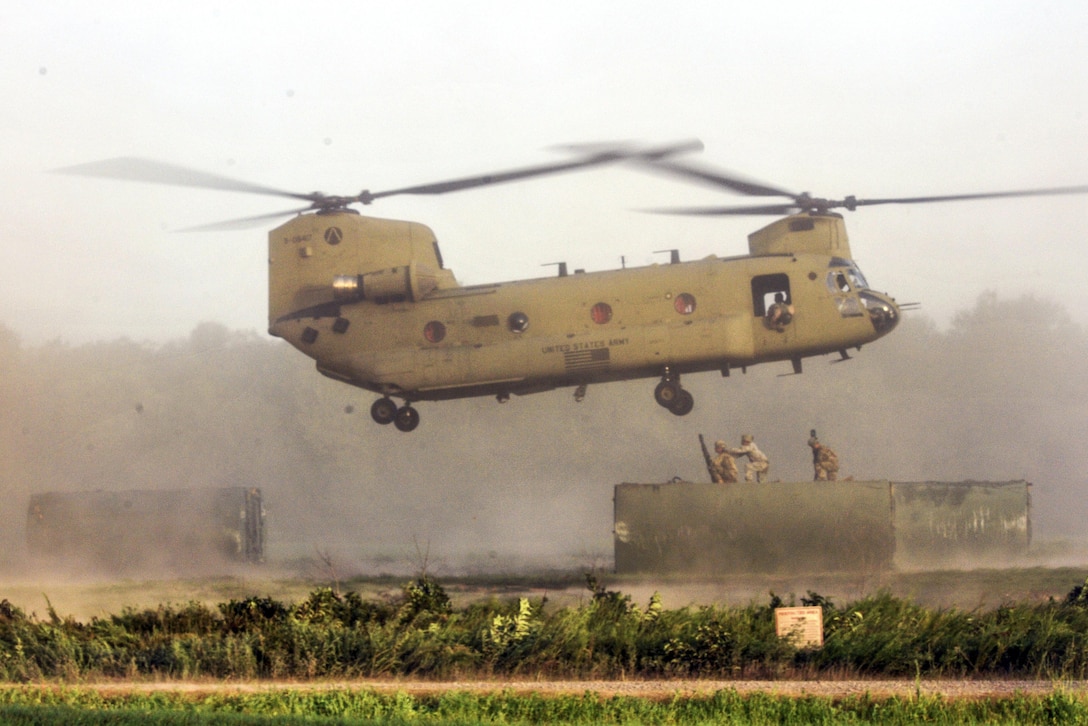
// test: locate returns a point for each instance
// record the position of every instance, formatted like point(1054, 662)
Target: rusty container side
point(957, 524)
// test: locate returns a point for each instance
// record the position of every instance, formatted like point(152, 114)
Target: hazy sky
point(832, 98)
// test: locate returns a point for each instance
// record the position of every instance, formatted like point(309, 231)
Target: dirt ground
point(87, 596)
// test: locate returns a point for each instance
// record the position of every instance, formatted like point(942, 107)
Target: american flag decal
point(594, 359)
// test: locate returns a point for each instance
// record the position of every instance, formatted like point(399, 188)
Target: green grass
point(29, 705)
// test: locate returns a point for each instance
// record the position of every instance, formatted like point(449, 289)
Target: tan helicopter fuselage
point(369, 300)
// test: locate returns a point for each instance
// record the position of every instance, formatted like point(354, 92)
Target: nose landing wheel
point(671, 395)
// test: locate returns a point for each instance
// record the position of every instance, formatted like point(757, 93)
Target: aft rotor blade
point(157, 172)
point(244, 222)
point(851, 203)
point(603, 155)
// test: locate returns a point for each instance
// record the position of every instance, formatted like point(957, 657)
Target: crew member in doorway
point(780, 313)
point(758, 464)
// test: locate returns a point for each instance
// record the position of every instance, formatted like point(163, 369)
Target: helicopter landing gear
point(407, 418)
point(385, 411)
point(671, 395)
point(667, 392)
point(684, 404)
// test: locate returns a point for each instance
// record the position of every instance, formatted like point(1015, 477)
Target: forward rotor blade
point(602, 155)
point(630, 147)
point(850, 203)
point(157, 172)
point(776, 209)
point(715, 178)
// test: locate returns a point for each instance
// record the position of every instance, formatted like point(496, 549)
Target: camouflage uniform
point(723, 467)
point(825, 463)
point(758, 464)
point(780, 313)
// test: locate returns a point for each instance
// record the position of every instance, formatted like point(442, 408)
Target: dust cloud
point(1001, 394)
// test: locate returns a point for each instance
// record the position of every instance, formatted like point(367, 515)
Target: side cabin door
point(774, 323)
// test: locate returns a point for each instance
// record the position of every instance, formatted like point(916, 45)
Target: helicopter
point(370, 300)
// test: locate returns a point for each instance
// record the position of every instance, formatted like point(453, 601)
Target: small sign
point(804, 627)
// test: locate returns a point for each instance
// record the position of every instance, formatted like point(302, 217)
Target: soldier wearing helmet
point(758, 464)
point(723, 469)
point(825, 462)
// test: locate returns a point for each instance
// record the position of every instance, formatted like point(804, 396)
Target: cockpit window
point(836, 282)
point(857, 278)
point(846, 280)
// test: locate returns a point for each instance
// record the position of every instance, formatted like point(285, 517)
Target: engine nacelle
point(394, 284)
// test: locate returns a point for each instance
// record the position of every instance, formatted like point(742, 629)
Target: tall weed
point(329, 635)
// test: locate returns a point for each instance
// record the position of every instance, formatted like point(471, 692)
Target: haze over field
point(1002, 394)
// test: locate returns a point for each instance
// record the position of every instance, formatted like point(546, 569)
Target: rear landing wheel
point(383, 411)
point(407, 419)
point(683, 404)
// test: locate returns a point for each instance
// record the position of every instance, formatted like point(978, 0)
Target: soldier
point(780, 313)
point(825, 463)
point(757, 465)
point(723, 467)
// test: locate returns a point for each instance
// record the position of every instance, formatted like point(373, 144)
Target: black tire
point(407, 419)
point(666, 393)
point(683, 404)
point(384, 410)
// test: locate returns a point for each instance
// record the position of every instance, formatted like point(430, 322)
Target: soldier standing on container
point(723, 467)
point(825, 463)
point(757, 465)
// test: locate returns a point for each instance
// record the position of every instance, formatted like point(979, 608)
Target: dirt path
point(642, 689)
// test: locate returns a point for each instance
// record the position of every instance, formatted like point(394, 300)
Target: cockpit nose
point(883, 312)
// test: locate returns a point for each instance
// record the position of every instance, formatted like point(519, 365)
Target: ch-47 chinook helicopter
point(371, 302)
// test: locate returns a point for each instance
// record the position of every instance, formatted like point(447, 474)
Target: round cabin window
point(434, 332)
point(684, 303)
point(518, 322)
point(601, 313)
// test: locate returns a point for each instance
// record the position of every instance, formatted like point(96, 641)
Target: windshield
point(856, 278)
point(846, 279)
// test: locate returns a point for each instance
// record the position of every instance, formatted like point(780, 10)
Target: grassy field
point(1027, 623)
point(84, 706)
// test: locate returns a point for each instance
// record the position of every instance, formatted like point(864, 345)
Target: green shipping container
point(126, 530)
point(686, 527)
